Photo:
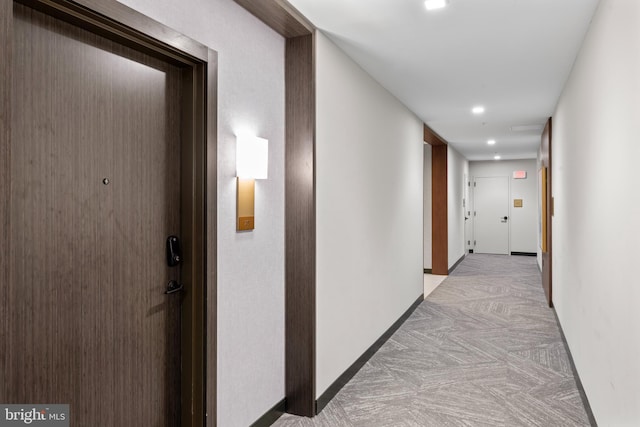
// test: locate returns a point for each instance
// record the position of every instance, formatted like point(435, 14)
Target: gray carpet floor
point(482, 350)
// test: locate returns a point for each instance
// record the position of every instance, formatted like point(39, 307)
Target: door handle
point(173, 287)
point(505, 218)
point(174, 255)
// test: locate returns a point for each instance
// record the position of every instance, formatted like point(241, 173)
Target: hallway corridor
point(482, 350)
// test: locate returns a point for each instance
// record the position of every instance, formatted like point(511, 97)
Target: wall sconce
point(251, 164)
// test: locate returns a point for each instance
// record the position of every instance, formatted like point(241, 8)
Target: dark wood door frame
point(439, 204)
point(545, 162)
point(119, 23)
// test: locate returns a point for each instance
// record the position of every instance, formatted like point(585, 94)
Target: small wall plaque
point(517, 203)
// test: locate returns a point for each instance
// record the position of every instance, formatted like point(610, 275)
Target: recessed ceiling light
point(496, 157)
point(491, 142)
point(478, 109)
point(435, 4)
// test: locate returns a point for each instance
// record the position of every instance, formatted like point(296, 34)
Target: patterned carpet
point(482, 350)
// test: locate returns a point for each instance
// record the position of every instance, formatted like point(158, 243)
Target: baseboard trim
point(428, 271)
point(343, 379)
point(271, 415)
point(524, 253)
point(457, 263)
point(583, 395)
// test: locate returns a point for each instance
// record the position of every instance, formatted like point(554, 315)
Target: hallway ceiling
point(511, 56)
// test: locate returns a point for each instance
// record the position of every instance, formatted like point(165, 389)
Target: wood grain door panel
point(94, 191)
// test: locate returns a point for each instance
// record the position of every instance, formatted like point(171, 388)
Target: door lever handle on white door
point(505, 218)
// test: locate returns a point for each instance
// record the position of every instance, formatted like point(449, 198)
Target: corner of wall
point(457, 169)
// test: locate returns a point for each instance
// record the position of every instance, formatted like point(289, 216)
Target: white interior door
point(491, 215)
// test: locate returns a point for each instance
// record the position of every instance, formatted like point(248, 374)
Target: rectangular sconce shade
point(519, 174)
point(251, 157)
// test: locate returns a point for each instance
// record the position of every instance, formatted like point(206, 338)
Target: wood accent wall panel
point(432, 138)
point(439, 211)
point(300, 227)
point(279, 16)
point(545, 161)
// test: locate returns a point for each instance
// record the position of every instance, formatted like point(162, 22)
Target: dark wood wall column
point(300, 228)
point(439, 210)
point(545, 162)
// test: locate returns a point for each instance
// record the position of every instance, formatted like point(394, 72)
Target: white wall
point(426, 206)
point(250, 294)
point(596, 227)
point(369, 158)
point(457, 168)
point(523, 222)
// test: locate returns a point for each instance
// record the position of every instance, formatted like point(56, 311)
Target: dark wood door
point(545, 160)
point(94, 192)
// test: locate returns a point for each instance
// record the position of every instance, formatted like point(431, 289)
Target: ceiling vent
point(527, 128)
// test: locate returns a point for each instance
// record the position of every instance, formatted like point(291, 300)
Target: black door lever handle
point(173, 287)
